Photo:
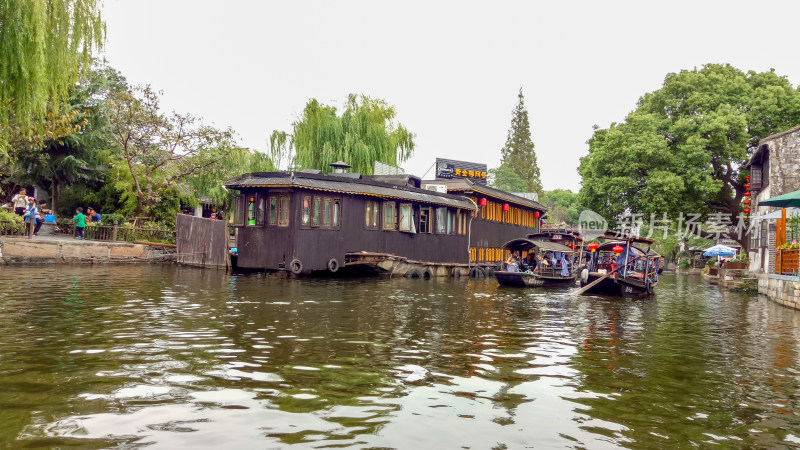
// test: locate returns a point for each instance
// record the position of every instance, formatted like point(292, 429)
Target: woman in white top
point(20, 202)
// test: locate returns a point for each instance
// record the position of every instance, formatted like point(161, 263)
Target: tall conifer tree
point(518, 153)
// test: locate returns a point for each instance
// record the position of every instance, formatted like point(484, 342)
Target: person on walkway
point(94, 215)
point(20, 202)
point(8, 206)
point(80, 223)
point(43, 211)
point(32, 214)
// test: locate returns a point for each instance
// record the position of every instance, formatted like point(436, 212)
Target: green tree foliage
point(159, 150)
point(365, 132)
point(44, 46)
point(80, 154)
point(208, 184)
point(681, 150)
point(505, 179)
point(562, 206)
point(518, 153)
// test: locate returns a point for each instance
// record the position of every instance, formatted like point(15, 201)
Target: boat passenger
point(529, 262)
point(512, 264)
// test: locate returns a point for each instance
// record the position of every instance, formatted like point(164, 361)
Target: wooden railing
point(119, 234)
point(786, 261)
point(107, 233)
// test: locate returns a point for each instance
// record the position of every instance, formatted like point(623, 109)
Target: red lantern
point(747, 210)
point(747, 194)
point(747, 202)
point(505, 207)
point(483, 201)
point(593, 246)
point(747, 186)
point(536, 214)
point(747, 177)
point(617, 249)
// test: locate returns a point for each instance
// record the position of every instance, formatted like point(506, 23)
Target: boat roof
point(355, 184)
point(468, 187)
point(613, 235)
point(549, 232)
point(525, 244)
point(607, 246)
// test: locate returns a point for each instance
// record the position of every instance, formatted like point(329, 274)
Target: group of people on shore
point(35, 213)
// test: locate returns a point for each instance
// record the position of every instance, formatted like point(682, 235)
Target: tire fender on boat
point(427, 273)
point(477, 272)
point(296, 267)
point(413, 273)
point(333, 265)
point(585, 276)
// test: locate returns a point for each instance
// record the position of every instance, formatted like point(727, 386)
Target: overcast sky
point(452, 69)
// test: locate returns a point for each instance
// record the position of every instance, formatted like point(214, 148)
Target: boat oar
point(591, 285)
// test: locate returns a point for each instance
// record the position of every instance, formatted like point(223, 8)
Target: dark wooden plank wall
point(201, 242)
point(271, 245)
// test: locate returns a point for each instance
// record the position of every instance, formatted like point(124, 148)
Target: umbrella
point(783, 201)
point(719, 250)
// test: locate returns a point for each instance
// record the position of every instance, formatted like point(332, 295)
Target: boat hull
point(618, 287)
point(522, 279)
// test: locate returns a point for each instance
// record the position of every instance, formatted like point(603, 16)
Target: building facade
point(774, 170)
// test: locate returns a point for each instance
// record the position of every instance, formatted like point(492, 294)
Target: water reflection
point(96, 356)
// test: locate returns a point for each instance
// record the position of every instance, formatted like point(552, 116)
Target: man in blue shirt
point(94, 215)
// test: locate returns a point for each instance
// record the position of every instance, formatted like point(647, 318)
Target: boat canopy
point(527, 244)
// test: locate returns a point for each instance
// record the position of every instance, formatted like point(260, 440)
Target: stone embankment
point(783, 289)
point(57, 249)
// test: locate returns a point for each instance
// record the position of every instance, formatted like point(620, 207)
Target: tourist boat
point(561, 246)
point(307, 222)
point(625, 267)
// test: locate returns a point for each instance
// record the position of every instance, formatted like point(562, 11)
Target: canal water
point(171, 357)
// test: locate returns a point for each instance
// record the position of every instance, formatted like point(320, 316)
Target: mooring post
point(114, 233)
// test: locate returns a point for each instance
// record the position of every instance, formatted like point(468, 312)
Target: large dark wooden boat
point(548, 242)
point(627, 266)
point(305, 222)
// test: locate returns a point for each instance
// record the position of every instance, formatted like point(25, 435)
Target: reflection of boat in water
point(557, 266)
point(623, 266)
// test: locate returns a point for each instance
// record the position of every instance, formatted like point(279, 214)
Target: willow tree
point(44, 46)
point(208, 183)
point(365, 132)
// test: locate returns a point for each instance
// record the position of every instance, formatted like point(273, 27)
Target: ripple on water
point(178, 357)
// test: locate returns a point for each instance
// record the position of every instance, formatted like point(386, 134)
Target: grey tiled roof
point(349, 186)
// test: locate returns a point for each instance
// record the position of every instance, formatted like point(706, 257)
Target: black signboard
point(447, 169)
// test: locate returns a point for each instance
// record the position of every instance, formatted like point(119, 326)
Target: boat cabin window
point(462, 222)
point(306, 210)
point(273, 210)
point(315, 212)
point(406, 218)
point(239, 210)
point(251, 210)
point(371, 214)
point(260, 210)
point(283, 211)
point(326, 212)
point(451, 222)
point(441, 220)
point(389, 216)
point(337, 208)
point(425, 220)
